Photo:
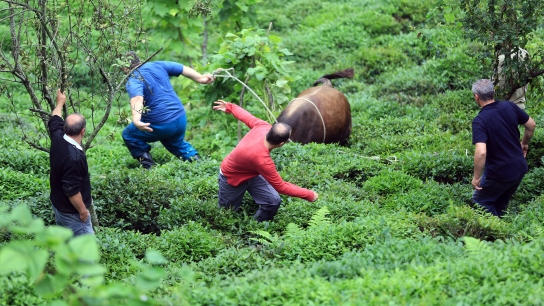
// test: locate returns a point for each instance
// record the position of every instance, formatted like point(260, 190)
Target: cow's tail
point(326, 79)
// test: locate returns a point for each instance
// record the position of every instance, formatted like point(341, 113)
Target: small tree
point(69, 45)
point(503, 27)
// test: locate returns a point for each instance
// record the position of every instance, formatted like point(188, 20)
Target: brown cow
point(320, 114)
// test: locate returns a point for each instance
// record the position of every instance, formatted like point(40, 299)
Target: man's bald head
point(279, 132)
point(74, 124)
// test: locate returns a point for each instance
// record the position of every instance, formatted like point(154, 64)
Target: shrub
point(118, 248)
point(27, 161)
point(432, 199)
point(391, 182)
point(189, 243)
point(444, 167)
point(132, 199)
point(17, 185)
point(527, 223)
point(462, 221)
point(531, 187)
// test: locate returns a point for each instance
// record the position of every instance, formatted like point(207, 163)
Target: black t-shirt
point(69, 170)
point(497, 126)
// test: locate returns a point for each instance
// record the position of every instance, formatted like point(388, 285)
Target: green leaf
point(155, 257)
point(450, 18)
point(64, 260)
point(55, 235)
point(85, 246)
point(285, 51)
point(92, 281)
point(150, 278)
point(281, 82)
point(36, 263)
point(275, 39)
point(83, 268)
point(50, 284)
point(12, 256)
point(22, 214)
point(173, 12)
point(230, 35)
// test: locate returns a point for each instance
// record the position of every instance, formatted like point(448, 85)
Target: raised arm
point(61, 100)
point(194, 75)
point(239, 113)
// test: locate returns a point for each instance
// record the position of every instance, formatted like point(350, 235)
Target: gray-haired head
point(278, 133)
point(485, 89)
point(74, 124)
point(133, 59)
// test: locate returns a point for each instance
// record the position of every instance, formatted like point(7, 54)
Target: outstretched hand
point(206, 79)
point(220, 105)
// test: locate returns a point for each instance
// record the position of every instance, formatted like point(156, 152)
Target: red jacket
point(251, 157)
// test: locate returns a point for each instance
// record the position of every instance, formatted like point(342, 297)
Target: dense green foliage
point(394, 222)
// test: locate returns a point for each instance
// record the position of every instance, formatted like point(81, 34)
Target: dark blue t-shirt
point(497, 126)
point(152, 81)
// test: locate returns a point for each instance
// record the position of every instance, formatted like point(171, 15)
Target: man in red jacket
point(250, 167)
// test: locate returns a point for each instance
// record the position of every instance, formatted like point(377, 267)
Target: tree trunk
point(205, 42)
point(94, 218)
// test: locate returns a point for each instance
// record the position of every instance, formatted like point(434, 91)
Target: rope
point(229, 75)
point(391, 159)
point(322, 121)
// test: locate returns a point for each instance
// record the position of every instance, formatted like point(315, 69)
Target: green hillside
point(394, 223)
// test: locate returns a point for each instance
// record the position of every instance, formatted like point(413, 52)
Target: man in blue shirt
point(496, 136)
point(157, 112)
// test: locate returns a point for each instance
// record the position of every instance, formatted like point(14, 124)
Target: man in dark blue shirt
point(157, 112)
point(496, 136)
point(69, 178)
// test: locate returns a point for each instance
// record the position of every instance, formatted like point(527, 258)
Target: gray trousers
point(73, 222)
point(260, 190)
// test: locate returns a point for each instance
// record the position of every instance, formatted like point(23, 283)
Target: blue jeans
point(260, 190)
point(170, 134)
point(495, 195)
point(73, 222)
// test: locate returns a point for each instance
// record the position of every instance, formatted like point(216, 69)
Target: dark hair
point(75, 126)
point(484, 89)
point(278, 133)
point(133, 58)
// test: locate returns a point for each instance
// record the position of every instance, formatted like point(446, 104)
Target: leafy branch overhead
point(503, 27)
point(258, 58)
point(71, 46)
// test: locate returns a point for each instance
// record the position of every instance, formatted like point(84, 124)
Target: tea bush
point(461, 221)
point(17, 185)
point(27, 161)
point(132, 199)
point(189, 243)
point(431, 198)
point(527, 223)
point(444, 166)
point(530, 188)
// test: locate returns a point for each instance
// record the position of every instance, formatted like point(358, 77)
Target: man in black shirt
point(69, 176)
point(496, 136)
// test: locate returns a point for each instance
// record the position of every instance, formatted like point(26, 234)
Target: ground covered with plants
point(394, 223)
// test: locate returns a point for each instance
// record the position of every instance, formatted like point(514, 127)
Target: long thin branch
point(35, 146)
point(14, 14)
point(132, 70)
point(40, 111)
